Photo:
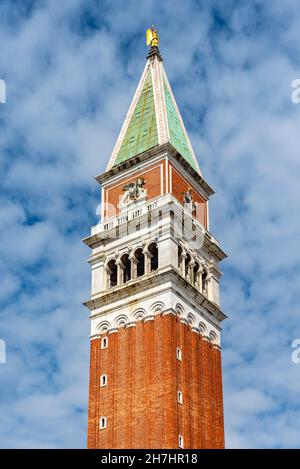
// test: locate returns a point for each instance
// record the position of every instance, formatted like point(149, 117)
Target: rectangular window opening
point(104, 342)
point(178, 354)
point(102, 423)
point(103, 380)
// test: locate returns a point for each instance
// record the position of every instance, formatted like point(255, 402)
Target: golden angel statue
point(152, 37)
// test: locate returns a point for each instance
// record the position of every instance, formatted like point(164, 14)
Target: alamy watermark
point(2, 92)
point(296, 353)
point(295, 96)
point(156, 221)
point(2, 351)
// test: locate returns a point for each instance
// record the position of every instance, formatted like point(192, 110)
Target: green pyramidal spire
point(153, 118)
point(141, 133)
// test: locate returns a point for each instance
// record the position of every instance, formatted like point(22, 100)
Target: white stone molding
point(157, 307)
point(138, 314)
point(184, 321)
point(103, 327)
point(145, 305)
point(191, 319)
point(218, 347)
point(212, 336)
point(169, 311)
point(130, 324)
point(181, 121)
point(121, 320)
point(149, 317)
point(159, 101)
point(202, 328)
point(179, 310)
point(206, 338)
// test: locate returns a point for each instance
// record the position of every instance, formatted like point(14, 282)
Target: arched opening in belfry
point(187, 266)
point(179, 257)
point(196, 275)
point(204, 282)
point(126, 268)
point(153, 251)
point(112, 273)
point(140, 262)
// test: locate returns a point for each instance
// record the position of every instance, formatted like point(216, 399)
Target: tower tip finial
point(152, 40)
point(152, 37)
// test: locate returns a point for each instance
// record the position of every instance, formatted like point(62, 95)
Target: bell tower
point(155, 360)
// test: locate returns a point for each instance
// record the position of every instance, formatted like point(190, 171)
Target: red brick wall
point(152, 175)
point(155, 183)
point(179, 186)
point(140, 400)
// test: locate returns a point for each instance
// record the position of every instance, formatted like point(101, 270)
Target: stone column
point(200, 272)
point(209, 286)
point(120, 272)
point(133, 266)
point(107, 278)
point(147, 256)
point(182, 263)
point(196, 279)
point(191, 271)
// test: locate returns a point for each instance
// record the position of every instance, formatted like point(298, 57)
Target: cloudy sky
point(71, 69)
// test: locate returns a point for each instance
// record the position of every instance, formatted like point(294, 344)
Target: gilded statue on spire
point(152, 37)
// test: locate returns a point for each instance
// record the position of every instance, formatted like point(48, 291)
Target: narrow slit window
point(179, 397)
point(180, 441)
point(102, 423)
point(178, 354)
point(104, 342)
point(103, 380)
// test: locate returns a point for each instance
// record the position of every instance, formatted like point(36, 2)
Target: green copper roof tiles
point(141, 134)
point(177, 135)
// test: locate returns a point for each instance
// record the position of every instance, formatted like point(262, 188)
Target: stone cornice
point(160, 277)
point(155, 151)
point(212, 247)
point(151, 317)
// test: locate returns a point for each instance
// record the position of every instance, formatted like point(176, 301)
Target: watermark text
point(2, 351)
point(296, 353)
point(295, 96)
point(2, 92)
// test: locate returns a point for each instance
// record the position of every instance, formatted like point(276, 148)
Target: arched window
point(126, 267)
point(204, 282)
point(187, 262)
point(196, 275)
point(153, 251)
point(102, 423)
point(103, 381)
point(112, 273)
point(179, 257)
point(140, 262)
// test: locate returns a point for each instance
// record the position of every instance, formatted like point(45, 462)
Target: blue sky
point(71, 69)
